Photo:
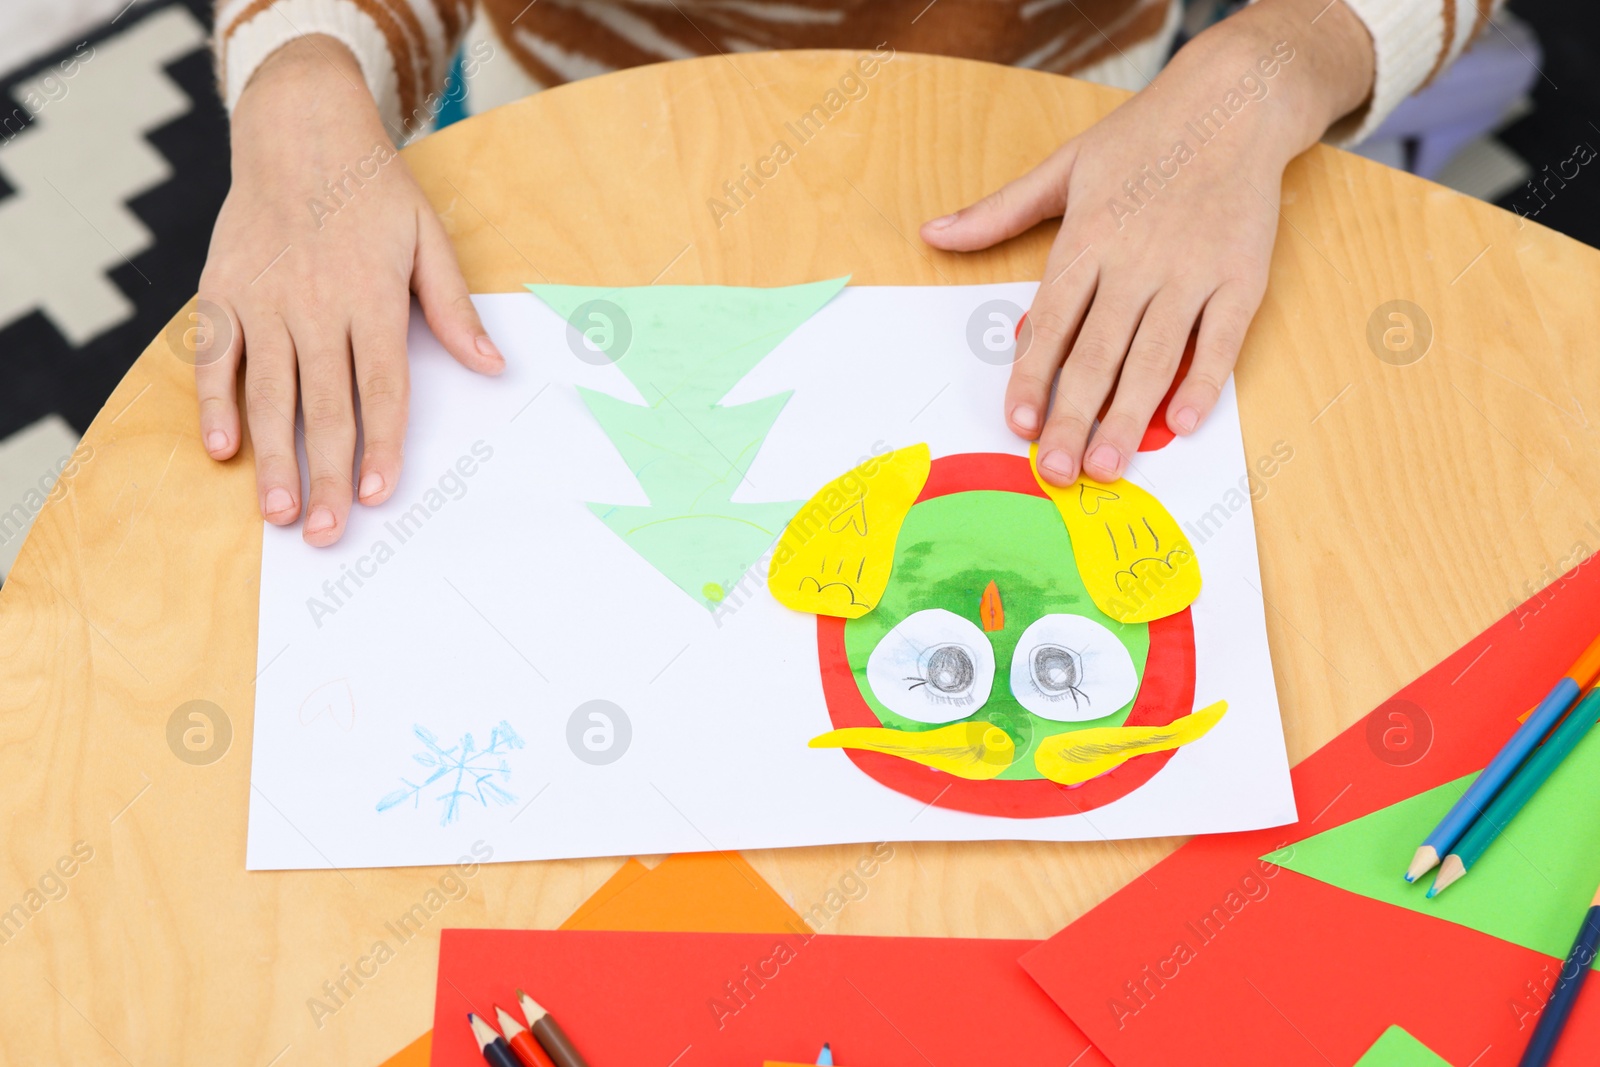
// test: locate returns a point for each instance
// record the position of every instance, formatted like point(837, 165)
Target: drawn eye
point(1072, 669)
point(934, 666)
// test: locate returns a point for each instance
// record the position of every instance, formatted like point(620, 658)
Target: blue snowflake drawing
point(463, 772)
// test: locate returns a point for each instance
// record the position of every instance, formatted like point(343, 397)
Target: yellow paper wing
point(975, 750)
point(1133, 557)
point(1079, 755)
point(835, 554)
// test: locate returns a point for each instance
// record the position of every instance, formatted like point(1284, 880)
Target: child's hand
point(322, 240)
point(1156, 236)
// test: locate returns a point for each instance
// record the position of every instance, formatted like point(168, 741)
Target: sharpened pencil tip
point(1451, 869)
point(1425, 860)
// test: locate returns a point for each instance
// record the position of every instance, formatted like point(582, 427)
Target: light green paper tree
point(684, 348)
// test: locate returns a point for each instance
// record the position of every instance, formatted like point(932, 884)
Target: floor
point(114, 161)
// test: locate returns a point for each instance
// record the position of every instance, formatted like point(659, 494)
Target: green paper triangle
point(1396, 1048)
point(684, 347)
point(1532, 887)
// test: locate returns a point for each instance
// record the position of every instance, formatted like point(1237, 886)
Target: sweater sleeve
point(1414, 41)
point(403, 46)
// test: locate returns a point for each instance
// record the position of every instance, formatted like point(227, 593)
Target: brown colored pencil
point(549, 1033)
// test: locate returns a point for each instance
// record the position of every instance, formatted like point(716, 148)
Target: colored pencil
point(825, 1057)
point(1573, 973)
point(494, 1048)
point(521, 1041)
point(1465, 811)
point(549, 1033)
point(1517, 792)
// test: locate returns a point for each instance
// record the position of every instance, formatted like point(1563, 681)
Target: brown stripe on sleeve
point(1446, 39)
point(577, 28)
point(1486, 9)
point(531, 64)
point(453, 17)
point(558, 29)
point(405, 73)
point(417, 43)
point(254, 8)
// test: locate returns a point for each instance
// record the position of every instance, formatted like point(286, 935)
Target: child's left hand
point(1155, 238)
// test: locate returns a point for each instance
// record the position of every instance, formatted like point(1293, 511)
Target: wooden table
point(1420, 503)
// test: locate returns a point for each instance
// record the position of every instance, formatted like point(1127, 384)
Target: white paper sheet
point(502, 604)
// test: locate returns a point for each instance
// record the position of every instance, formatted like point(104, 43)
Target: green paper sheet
point(1396, 1048)
point(1532, 887)
point(684, 348)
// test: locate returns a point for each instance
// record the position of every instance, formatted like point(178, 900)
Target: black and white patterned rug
point(113, 164)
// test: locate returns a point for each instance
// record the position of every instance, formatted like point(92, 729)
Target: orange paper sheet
point(697, 892)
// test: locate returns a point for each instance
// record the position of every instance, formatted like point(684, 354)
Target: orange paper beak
point(991, 612)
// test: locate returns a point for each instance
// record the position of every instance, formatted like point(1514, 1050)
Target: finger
point(1223, 325)
point(1014, 207)
point(1146, 375)
point(1043, 337)
point(1086, 380)
point(218, 348)
point(378, 339)
point(323, 352)
point(269, 399)
point(442, 292)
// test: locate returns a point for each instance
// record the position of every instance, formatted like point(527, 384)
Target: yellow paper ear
point(835, 554)
point(1132, 555)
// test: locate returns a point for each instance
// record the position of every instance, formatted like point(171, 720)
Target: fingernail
point(1059, 462)
point(1025, 418)
point(279, 500)
point(942, 221)
point(486, 348)
point(1107, 460)
point(321, 519)
point(216, 441)
point(371, 485)
point(1186, 419)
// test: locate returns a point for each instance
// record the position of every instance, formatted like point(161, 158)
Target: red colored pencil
point(521, 1041)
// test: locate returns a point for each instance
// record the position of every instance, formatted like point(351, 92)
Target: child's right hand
point(316, 282)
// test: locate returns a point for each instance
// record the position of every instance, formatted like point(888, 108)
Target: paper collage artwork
point(915, 651)
point(717, 568)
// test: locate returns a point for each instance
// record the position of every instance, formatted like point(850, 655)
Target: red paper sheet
point(636, 999)
point(1289, 970)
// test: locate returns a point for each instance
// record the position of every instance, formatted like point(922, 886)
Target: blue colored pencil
point(825, 1057)
point(1530, 777)
point(1573, 973)
point(1466, 810)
